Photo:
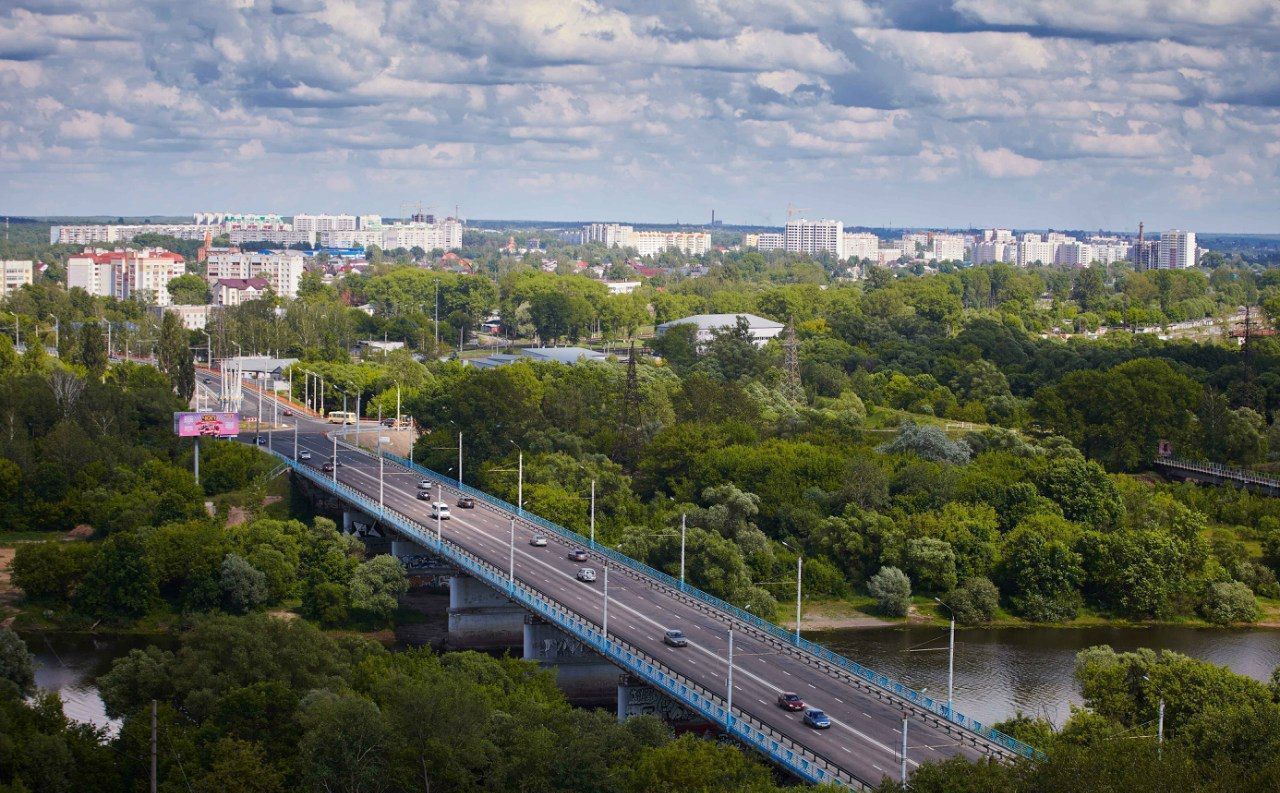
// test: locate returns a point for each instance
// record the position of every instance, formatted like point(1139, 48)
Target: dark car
point(817, 719)
point(287, 412)
point(675, 638)
point(327, 468)
point(790, 701)
point(425, 495)
point(467, 502)
point(261, 441)
point(578, 555)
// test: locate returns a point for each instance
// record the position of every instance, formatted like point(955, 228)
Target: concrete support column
point(481, 618)
point(634, 698)
point(584, 677)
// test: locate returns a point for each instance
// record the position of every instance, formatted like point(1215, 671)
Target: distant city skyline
point(1034, 114)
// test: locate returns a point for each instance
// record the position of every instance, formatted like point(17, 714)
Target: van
point(440, 510)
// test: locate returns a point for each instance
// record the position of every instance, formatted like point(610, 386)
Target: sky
point(1074, 114)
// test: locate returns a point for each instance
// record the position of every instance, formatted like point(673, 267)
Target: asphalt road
point(865, 736)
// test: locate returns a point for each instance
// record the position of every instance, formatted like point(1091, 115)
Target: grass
point(8, 539)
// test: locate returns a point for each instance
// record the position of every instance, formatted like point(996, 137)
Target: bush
point(376, 584)
point(326, 602)
point(892, 590)
point(929, 442)
point(243, 586)
point(51, 569)
point(16, 664)
point(1226, 602)
point(974, 602)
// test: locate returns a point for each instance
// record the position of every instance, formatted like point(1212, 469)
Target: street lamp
point(381, 467)
point(593, 517)
point(511, 555)
point(951, 657)
point(729, 698)
point(436, 507)
point(606, 601)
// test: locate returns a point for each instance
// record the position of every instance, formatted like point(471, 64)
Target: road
point(865, 735)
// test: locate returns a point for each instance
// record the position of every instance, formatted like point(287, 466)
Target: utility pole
point(593, 514)
point(606, 601)
point(799, 579)
point(903, 773)
point(682, 530)
point(1160, 731)
point(511, 558)
point(729, 697)
point(520, 486)
point(459, 457)
point(153, 747)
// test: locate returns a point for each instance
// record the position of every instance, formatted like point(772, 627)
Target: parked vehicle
point(675, 638)
point(586, 575)
point(577, 555)
point(817, 719)
point(440, 510)
point(538, 541)
point(467, 502)
point(790, 701)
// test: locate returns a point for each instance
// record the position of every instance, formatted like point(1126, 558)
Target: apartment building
point(1176, 250)
point(947, 247)
point(815, 237)
point(282, 270)
point(610, 234)
point(15, 274)
point(992, 251)
point(126, 274)
point(234, 291)
point(860, 245)
point(650, 243)
point(319, 223)
point(192, 317)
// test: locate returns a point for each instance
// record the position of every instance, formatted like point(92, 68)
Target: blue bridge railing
point(799, 760)
point(854, 669)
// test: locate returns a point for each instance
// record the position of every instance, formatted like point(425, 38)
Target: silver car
point(587, 575)
point(538, 541)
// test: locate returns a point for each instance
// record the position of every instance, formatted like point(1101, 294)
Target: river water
point(1001, 672)
point(998, 672)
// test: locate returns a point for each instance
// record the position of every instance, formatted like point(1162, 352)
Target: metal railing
point(803, 762)
point(855, 671)
point(1217, 469)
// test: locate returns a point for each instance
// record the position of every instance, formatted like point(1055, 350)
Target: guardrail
point(1217, 469)
point(803, 762)
point(855, 670)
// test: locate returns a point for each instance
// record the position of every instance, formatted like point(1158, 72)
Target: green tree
point(376, 584)
point(51, 569)
point(175, 357)
point(974, 602)
point(243, 586)
point(120, 582)
point(17, 665)
point(1226, 602)
point(892, 590)
point(189, 290)
point(93, 349)
point(1041, 576)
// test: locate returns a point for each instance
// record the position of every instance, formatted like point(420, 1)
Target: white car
point(440, 510)
point(587, 574)
point(538, 541)
point(424, 484)
point(304, 455)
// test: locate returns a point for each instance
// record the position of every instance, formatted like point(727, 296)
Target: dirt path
point(8, 592)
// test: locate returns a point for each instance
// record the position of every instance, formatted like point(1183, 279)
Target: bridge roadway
point(865, 737)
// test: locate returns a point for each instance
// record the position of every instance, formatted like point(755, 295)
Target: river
point(999, 672)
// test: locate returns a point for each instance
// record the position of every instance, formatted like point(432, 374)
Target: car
point(425, 484)
point(261, 441)
point(304, 455)
point(287, 412)
point(467, 502)
point(675, 638)
point(327, 468)
point(577, 555)
point(817, 719)
point(440, 510)
point(425, 495)
point(538, 541)
point(388, 422)
point(789, 701)
point(587, 575)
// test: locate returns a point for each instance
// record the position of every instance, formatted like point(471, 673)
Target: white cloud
point(1002, 163)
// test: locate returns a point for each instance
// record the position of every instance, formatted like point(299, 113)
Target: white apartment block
point(368, 221)
point(15, 274)
point(815, 236)
point(947, 247)
point(90, 235)
point(915, 241)
point(609, 234)
point(860, 245)
point(192, 317)
point(992, 251)
point(691, 243)
point(1073, 254)
point(771, 241)
point(885, 257)
point(271, 236)
point(126, 274)
point(356, 238)
point(997, 235)
point(282, 270)
point(442, 235)
point(319, 223)
point(1033, 248)
point(1177, 250)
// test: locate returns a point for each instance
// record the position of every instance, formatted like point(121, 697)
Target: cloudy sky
point(1029, 113)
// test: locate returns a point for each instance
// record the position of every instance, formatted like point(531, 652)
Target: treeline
point(261, 704)
point(1221, 731)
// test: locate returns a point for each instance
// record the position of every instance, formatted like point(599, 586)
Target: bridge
point(730, 674)
point(1216, 474)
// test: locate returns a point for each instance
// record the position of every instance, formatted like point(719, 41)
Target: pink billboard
point(206, 424)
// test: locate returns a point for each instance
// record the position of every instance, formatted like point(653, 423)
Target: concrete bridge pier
point(481, 618)
point(634, 698)
point(359, 523)
point(584, 677)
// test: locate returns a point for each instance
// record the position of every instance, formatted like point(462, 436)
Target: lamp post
point(729, 697)
point(335, 457)
point(593, 517)
point(511, 555)
point(902, 774)
point(436, 508)
point(381, 467)
point(459, 458)
point(520, 485)
point(951, 657)
point(799, 584)
point(682, 533)
point(605, 624)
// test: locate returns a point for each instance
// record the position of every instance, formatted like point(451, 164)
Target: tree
point(892, 590)
point(1226, 602)
point(243, 586)
point(93, 349)
point(690, 763)
point(932, 563)
point(51, 569)
point(974, 602)
point(678, 346)
point(189, 289)
point(927, 441)
point(326, 602)
point(732, 352)
point(376, 584)
point(176, 359)
point(1041, 576)
point(121, 581)
point(17, 665)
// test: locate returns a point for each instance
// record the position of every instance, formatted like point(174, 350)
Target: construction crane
point(792, 209)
